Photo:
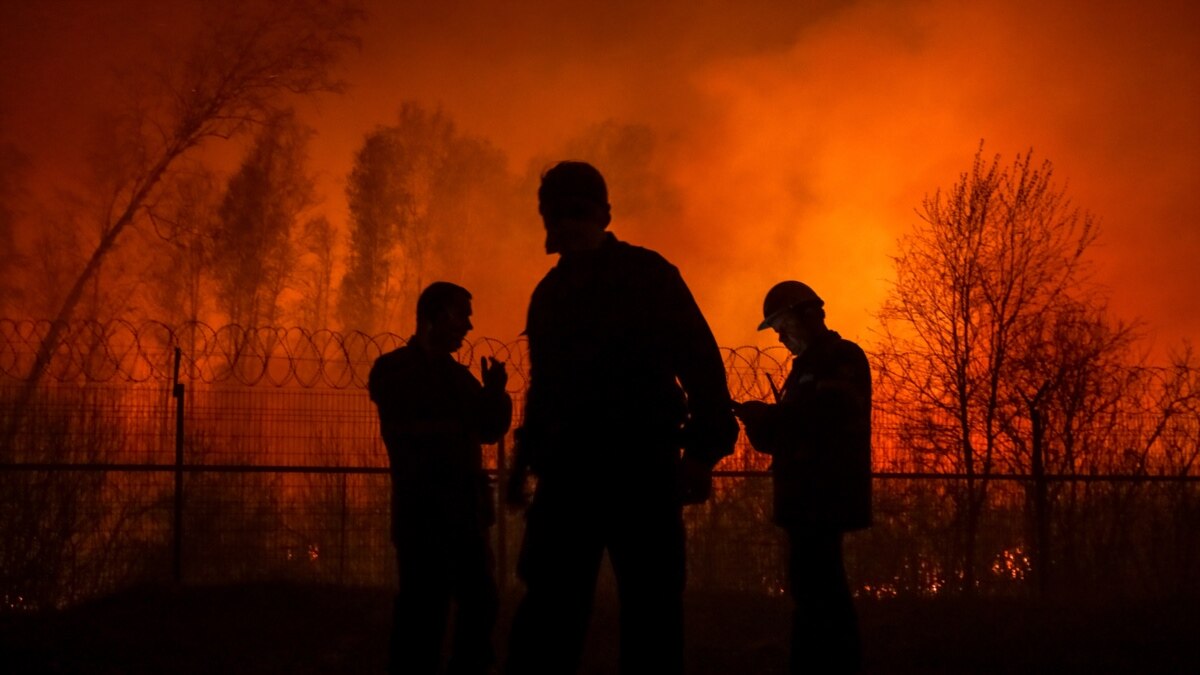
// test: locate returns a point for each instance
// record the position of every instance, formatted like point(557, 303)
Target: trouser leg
point(647, 553)
point(560, 559)
point(421, 607)
point(477, 605)
point(825, 635)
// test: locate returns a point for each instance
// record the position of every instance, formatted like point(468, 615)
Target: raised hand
point(494, 374)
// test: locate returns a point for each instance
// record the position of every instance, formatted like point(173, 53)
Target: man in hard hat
point(819, 436)
point(433, 416)
point(624, 373)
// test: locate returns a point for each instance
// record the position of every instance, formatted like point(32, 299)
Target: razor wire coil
point(121, 351)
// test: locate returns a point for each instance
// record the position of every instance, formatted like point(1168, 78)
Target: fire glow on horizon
point(795, 141)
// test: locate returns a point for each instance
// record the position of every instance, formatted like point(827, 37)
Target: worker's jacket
point(819, 434)
point(624, 370)
point(433, 416)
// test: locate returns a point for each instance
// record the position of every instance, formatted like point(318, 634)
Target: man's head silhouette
point(443, 316)
point(795, 311)
point(573, 203)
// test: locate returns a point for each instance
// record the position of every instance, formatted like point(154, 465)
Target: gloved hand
point(751, 413)
point(754, 416)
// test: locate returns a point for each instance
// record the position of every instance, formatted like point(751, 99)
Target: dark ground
point(303, 629)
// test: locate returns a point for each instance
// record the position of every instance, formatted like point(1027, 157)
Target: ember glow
point(787, 140)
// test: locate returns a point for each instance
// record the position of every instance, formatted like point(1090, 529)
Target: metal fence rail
point(330, 525)
point(261, 459)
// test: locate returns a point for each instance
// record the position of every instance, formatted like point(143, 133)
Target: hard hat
point(787, 295)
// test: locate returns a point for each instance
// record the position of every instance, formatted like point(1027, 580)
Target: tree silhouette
point(232, 76)
point(185, 226)
point(254, 255)
point(983, 280)
point(416, 193)
point(314, 276)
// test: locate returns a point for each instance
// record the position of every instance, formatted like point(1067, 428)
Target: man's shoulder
point(394, 363)
point(847, 353)
point(644, 268)
point(400, 355)
point(641, 256)
point(847, 347)
point(629, 258)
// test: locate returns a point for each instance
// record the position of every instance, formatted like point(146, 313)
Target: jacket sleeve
point(486, 411)
point(842, 400)
point(763, 431)
point(711, 430)
point(825, 414)
point(530, 437)
point(495, 414)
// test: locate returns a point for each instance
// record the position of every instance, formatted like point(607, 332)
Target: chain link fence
point(277, 472)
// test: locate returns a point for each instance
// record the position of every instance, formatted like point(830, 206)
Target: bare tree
point(234, 75)
point(990, 264)
point(184, 227)
point(1179, 402)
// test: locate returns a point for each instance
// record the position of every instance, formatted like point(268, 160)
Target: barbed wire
point(121, 351)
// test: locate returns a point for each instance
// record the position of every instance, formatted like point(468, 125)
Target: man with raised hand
point(434, 415)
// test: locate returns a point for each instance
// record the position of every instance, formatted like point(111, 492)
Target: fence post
point(501, 516)
point(177, 535)
point(1041, 534)
point(344, 517)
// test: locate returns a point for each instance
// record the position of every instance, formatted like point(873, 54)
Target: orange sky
point(800, 138)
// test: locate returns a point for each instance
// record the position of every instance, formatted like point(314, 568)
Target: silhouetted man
point(819, 435)
point(434, 415)
point(613, 334)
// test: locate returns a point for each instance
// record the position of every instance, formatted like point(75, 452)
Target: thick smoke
point(782, 139)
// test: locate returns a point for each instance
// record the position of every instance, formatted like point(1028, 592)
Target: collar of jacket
point(819, 347)
point(609, 244)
